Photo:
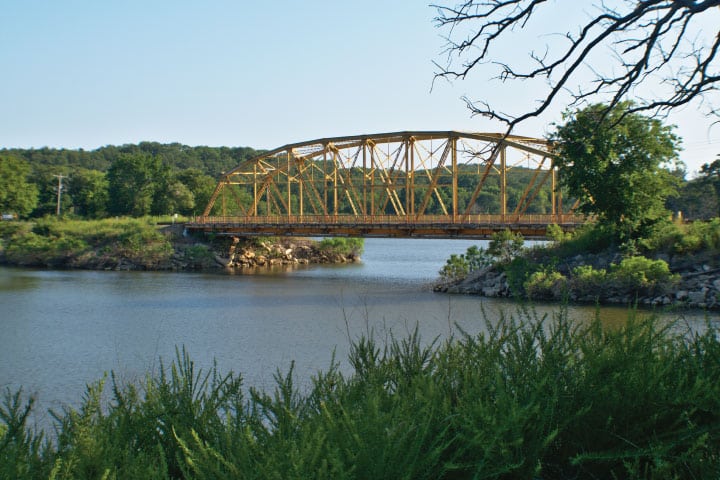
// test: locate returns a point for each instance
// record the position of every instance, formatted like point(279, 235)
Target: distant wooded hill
point(155, 178)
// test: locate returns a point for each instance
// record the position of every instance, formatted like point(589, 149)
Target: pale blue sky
point(88, 73)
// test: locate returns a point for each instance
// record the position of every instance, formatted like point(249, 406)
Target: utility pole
point(59, 192)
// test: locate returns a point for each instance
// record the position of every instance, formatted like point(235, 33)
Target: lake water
point(60, 330)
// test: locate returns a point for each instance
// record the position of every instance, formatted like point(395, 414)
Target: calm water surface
point(60, 330)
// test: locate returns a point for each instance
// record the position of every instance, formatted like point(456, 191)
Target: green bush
point(556, 234)
point(505, 245)
point(518, 271)
point(641, 274)
point(348, 246)
point(59, 243)
point(590, 238)
point(585, 280)
point(546, 285)
point(199, 256)
point(708, 234)
point(458, 267)
point(528, 398)
point(36, 250)
point(669, 237)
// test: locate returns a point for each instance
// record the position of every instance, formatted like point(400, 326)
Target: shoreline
point(695, 285)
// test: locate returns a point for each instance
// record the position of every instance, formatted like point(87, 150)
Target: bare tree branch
point(652, 41)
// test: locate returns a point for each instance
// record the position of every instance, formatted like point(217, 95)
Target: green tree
point(133, 181)
point(48, 183)
point(172, 196)
point(17, 195)
point(505, 245)
point(89, 192)
point(201, 186)
point(615, 163)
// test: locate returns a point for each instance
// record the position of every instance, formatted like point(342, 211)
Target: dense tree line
point(158, 179)
point(147, 178)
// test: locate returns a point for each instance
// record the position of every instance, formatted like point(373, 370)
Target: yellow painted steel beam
point(381, 170)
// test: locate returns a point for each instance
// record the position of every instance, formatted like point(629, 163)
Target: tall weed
point(539, 397)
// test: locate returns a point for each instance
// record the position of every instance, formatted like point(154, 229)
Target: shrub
point(199, 256)
point(708, 234)
point(518, 271)
point(545, 285)
point(505, 245)
point(556, 234)
point(666, 237)
point(527, 398)
point(458, 267)
point(641, 274)
point(590, 238)
point(685, 239)
point(347, 246)
point(586, 281)
point(37, 250)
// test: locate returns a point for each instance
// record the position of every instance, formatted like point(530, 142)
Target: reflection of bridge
point(406, 184)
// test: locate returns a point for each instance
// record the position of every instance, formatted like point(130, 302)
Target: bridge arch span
point(398, 184)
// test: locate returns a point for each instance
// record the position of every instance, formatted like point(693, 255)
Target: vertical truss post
point(300, 193)
point(559, 200)
point(224, 213)
point(411, 210)
point(365, 178)
point(335, 181)
point(372, 179)
point(267, 200)
point(289, 198)
point(255, 190)
point(454, 180)
point(325, 179)
point(553, 191)
point(503, 181)
point(406, 143)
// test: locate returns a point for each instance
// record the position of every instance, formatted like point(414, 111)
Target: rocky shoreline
point(696, 285)
point(197, 253)
point(245, 253)
point(165, 248)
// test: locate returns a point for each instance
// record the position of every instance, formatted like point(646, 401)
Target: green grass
point(532, 398)
point(86, 243)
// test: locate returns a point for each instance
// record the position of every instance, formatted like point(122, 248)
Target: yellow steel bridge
point(443, 184)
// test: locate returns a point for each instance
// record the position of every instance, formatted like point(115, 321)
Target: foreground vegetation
point(531, 398)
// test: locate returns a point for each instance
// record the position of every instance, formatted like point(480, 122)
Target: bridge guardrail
point(490, 219)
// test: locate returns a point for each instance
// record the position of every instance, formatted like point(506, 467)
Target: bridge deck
point(430, 226)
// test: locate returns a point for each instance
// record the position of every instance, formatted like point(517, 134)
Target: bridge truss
point(404, 184)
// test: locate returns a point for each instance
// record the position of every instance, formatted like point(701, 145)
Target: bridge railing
point(481, 219)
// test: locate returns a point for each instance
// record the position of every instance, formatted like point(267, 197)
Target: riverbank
point(676, 266)
point(694, 282)
point(140, 244)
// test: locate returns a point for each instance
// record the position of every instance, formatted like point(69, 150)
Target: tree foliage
point(133, 184)
point(659, 49)
point(505, 245)
point(17, 194)
point(617, 169)
point(89, 192)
